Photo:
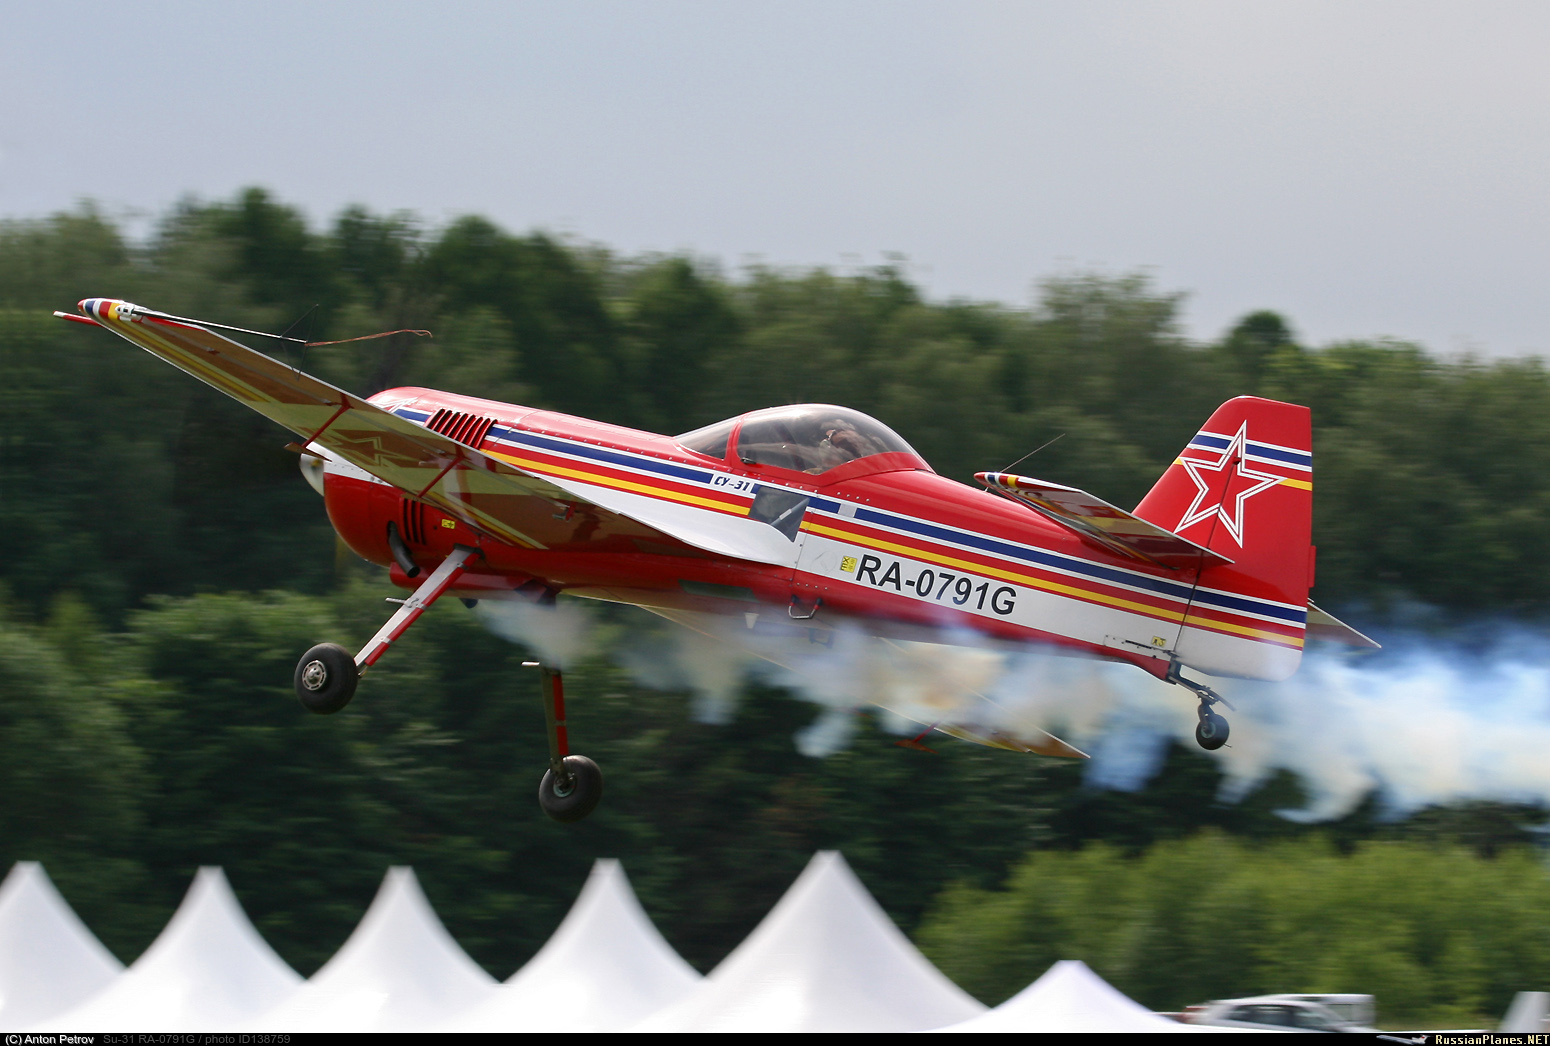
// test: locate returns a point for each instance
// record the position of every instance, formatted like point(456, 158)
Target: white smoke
point(909, 686)
point(1418, 724)
point(562, 633)
point(674, 658)
point(827, 734)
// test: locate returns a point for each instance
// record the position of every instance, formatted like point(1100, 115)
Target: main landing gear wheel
point(325, 678)
point(1212, 732)
point(573, 795)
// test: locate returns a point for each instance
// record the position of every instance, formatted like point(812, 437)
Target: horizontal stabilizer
point(1326, 626)
point(1102, 523)
point(1036, 742)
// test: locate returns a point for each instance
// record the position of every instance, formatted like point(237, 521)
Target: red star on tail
point(1222, 488)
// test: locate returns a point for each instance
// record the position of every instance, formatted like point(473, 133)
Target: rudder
point(1243, 488)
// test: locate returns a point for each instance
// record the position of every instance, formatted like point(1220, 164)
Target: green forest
point(165, 564)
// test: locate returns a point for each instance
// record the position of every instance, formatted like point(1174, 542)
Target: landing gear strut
point(1212, 731)
point(573, 784)
point(326, 678)
point(326, 675)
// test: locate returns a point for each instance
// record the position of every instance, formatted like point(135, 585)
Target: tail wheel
point(325, 678)
point(1212, 732)
point(573, 795)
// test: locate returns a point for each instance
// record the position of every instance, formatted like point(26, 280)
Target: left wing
point(488, 494)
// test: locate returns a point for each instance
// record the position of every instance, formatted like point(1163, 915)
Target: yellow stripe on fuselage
point(545, 468)
point(1053, 586)
point(1195, 620)
point(985, 570)
point(968, 566)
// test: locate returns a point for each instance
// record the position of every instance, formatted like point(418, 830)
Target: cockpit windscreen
point(814, 437)
point(710, 440)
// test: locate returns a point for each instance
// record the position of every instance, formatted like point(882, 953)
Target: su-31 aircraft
point(809, 518)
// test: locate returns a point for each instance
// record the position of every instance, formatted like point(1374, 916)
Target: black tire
point(325, 678)
point(1212, 732)
point(570, 801)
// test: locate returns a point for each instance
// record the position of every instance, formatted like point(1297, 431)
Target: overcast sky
point(1364, 168)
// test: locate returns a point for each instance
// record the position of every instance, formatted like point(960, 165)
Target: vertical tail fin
point(1243, 487)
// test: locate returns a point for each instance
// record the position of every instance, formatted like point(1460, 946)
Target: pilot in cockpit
point(811, 438)
point(841, 443)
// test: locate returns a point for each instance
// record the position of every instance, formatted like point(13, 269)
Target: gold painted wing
point(489, 495)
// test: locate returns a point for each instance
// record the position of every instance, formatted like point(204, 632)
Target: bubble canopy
point(814, 438)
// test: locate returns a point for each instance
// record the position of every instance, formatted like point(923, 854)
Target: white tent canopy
point(826, 958)
point(399, 971)
point(1070, 998)
point(605, 968)
point(208, 970)
point(1529, 1012)
point(49, 960)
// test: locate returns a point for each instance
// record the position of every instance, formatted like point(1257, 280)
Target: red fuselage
point(910, 549)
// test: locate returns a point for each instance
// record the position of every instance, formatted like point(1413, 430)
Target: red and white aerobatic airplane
point(810, 517)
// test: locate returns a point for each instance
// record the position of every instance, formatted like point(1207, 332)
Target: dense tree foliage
point(1432, 479)
point(1441, 937)
point(165, 564)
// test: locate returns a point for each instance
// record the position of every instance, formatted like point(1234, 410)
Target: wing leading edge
point(488, 494)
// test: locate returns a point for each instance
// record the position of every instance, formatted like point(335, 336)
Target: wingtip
point(73, 318)
point(100, 309)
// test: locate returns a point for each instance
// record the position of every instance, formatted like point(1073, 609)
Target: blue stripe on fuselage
point(510, 435)
point(1113, 575)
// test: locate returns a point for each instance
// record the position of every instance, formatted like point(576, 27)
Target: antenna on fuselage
point(1032, 452)
point(301, 353)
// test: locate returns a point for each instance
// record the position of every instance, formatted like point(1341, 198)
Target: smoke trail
point(561, 634)
point(1423, 723)
point(677, 658)
point(827, 734)
point(1420, 723)
point(958, 681)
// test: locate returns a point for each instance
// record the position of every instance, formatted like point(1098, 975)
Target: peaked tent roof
point(1069, 997)
point(605, 968)
point(399, 971)
point(208, 970)
point(826, 958)
point(49, 960)
point(1528, 1013)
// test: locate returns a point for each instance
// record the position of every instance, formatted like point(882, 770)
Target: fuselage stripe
point(1155, 587)
point(987, 569)
point(603, 480)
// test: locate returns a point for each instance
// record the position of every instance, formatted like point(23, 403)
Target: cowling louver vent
point(414, 522)
point(468, 429)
